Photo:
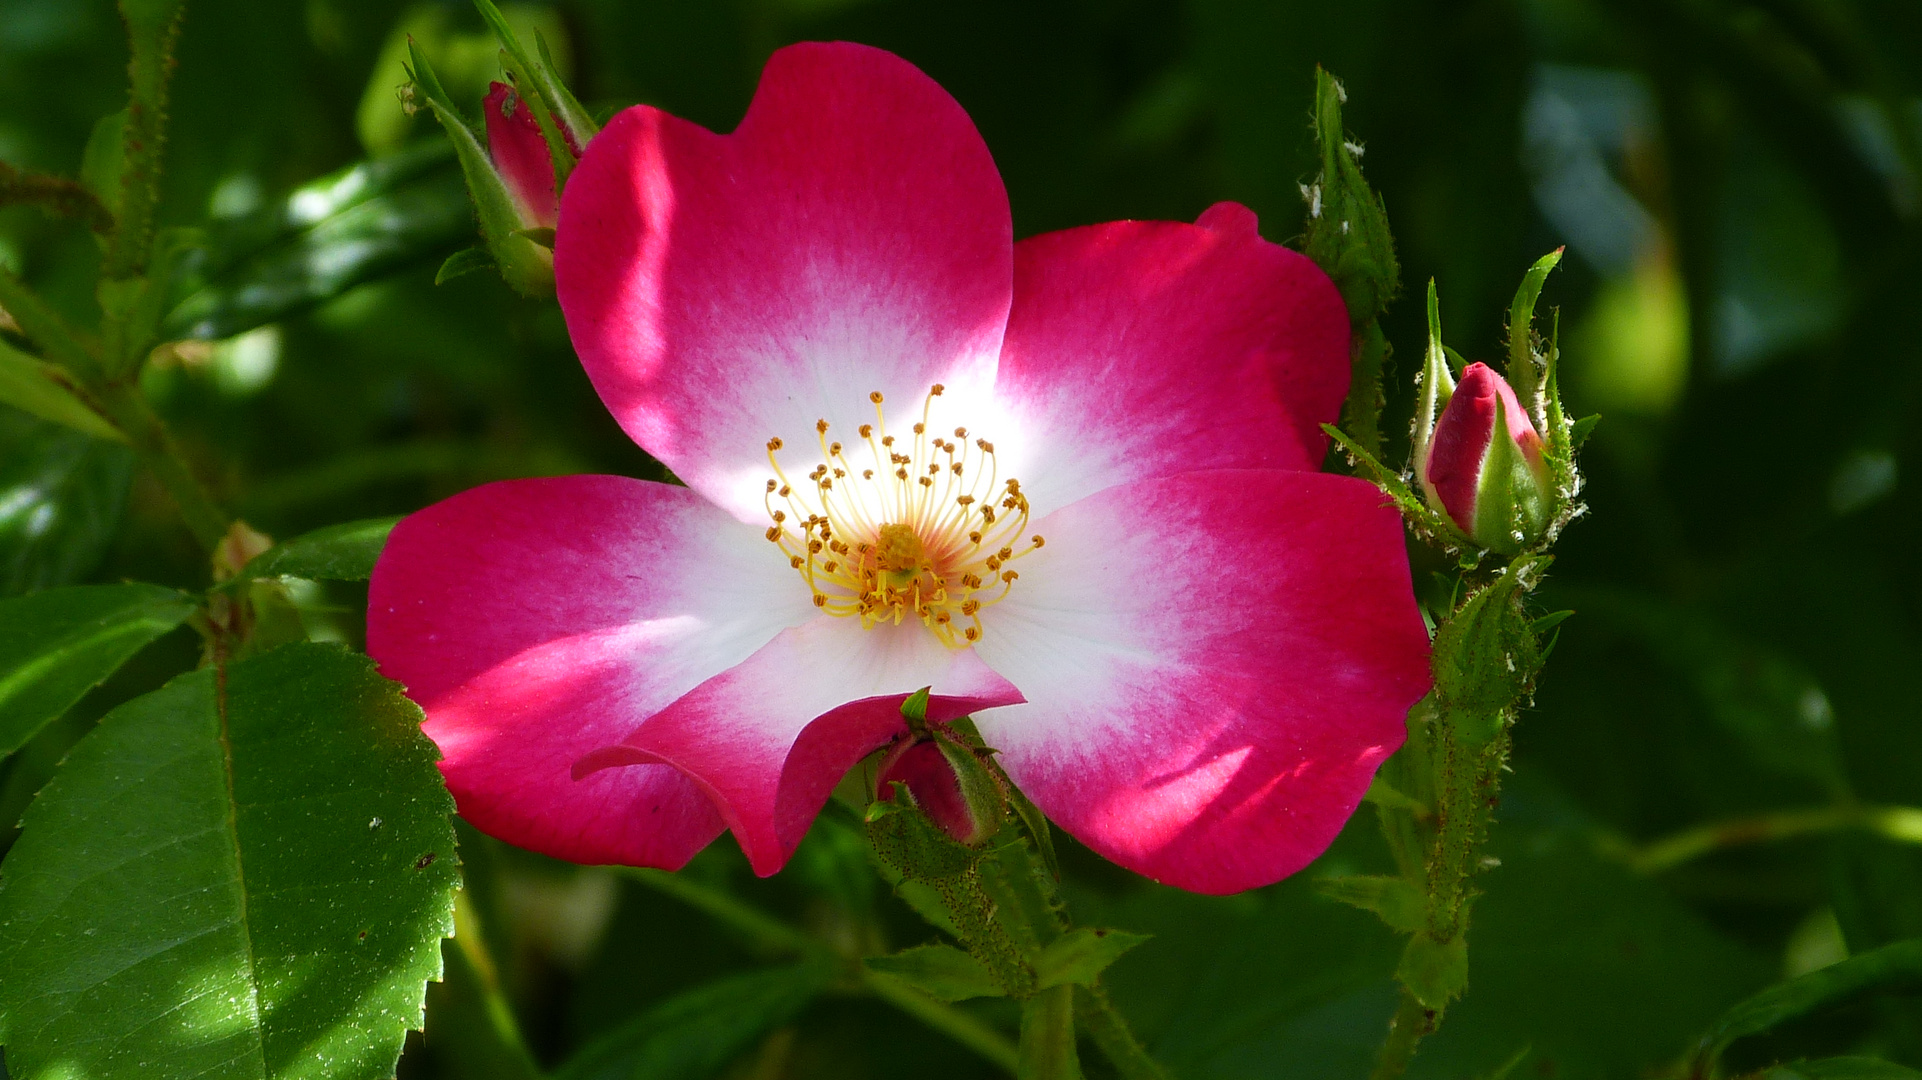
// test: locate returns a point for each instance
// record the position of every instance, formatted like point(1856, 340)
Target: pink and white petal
point(769, 739)
point(852, 235)
point(535, 620)
point(520, 154)
point(1139, 349)
point(1215, 663)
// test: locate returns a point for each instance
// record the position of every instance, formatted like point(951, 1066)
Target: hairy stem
point(130, 412)
point(1412, 1021)
point(1047, 1036)
point(1109, 1030)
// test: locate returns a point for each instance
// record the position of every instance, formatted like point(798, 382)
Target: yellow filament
point(926, 530)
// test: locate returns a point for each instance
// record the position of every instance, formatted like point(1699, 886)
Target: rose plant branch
point(1494, 481)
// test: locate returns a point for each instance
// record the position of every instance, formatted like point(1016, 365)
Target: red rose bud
point(947, 783)
point(521, 157)
point(1483, 467)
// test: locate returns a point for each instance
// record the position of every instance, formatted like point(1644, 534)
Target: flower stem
point(130, 412)
point(1902, 824)
point(776, 936)
point(1412, 1021)
point(1047, 1036)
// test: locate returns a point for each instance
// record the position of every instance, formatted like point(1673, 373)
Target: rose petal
point(769, 739)
point(852, 235)
point(1139, 349)
point(1214, 663)
point(535, 620)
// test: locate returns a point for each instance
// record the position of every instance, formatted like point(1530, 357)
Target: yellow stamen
point(926, 530)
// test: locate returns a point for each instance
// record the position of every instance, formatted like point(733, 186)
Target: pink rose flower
point(1069, 484)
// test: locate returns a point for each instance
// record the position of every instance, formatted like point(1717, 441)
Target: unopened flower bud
point(521, 157)
point(948, 783)
point(1482, 463)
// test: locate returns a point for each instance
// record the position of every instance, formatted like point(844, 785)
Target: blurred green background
point(1740, 189)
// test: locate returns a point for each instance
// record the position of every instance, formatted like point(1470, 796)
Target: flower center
point(923, 527)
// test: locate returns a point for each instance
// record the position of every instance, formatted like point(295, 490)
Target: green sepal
point(1436, 972)
point(981, 790)
point(1513, 499)
point(464, 262)
point(914, 711)
point(1400, 904)
point(550, 93)
point(943, 972)
point(1347, 234)
point(1425, 521)
point(525, 265)
point(544, 236)
point(1437, 390)
point(1579, 431)
point(1081, 955)
point(35, 386)
point(1526, 367)
point(1485, 657)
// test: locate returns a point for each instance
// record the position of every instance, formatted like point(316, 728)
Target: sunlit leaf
point(344, 552)
point(61, 497)
point(244, 874)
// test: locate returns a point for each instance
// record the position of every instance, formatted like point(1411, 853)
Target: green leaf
point(61, 497)
point(1399, 903)
point(695, 1033)
point(57, 645)
point(1485, 656)
point(105, 159)
point(34, 386)
point(943, 972)
point(464, 262)
point(1843, 1068)
point(1897, 966)
point(1436, 972)
point(1081, 955)
point(245, 876)
point(324, 238)
point(336, 553)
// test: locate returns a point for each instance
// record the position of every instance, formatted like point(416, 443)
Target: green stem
point(152, 28)
point(1412, 1021)
point(1902, 824)
point(776, 936)
point(130, 412)
point(948, 1020)
point(1047, 1036)
point(1109, 1030)
point(767, 932)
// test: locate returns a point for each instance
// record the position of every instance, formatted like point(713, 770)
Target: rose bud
point(1482, 464)
point(947, 783)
